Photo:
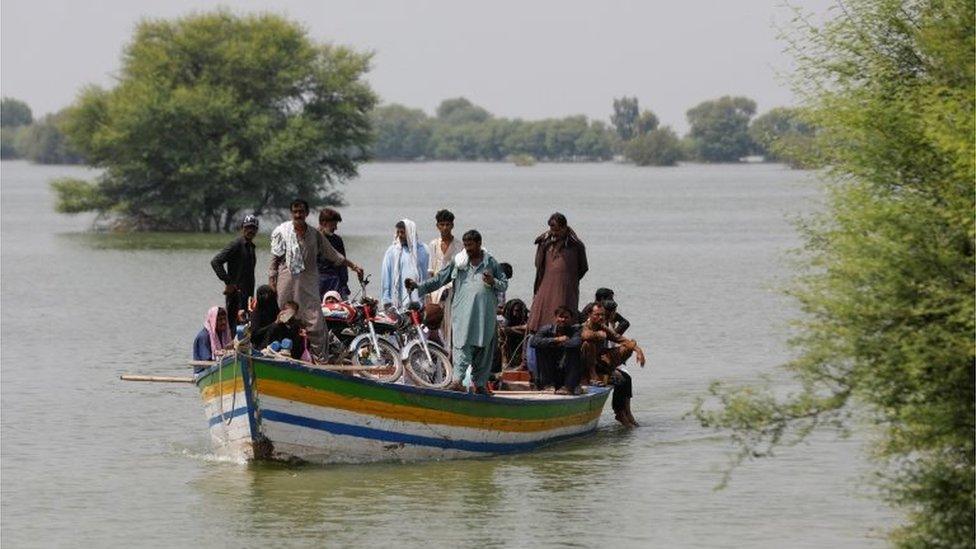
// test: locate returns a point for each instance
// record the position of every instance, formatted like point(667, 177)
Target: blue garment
point(474, 322)
point(418, 272)
point(201, 346)
point(332, 276)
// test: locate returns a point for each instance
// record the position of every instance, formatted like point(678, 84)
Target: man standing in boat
point(332, 277)
point(296, 249)
point(442, 249)
point(238, 277)
point(474, 276)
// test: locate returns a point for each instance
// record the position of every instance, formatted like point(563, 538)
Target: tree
point(647, 123)
point(625, 115)
point(720, 128)
point(401, 133)
point(8, 143)
point(460, 111)
point(659, 147)
point(888, 295)
point(782, 134)
point(14, 112)
point(217, 114)
point(43, 142)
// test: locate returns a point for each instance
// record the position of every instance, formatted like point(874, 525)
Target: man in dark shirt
point(238, 278)
point(614, 318)
point(557, 348)
point(331, 276)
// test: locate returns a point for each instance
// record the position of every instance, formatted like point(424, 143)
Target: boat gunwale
point(508, 399)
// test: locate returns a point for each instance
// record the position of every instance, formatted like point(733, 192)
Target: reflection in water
point(466, 502)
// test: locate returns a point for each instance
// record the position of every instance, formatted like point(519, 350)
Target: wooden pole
point(160, 379)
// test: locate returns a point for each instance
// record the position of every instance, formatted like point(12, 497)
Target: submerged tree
point(626, 114)
point(888, 296)
point(43, 142)
point(14, 113)
point(658, 147)
point(720, 128)
point(217, 114)
point(783, 135)
point(401, 133)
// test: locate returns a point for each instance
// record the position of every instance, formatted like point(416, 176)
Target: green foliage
point(43, 142)
point(647, 123)
point(217, 114)
point(14, 112)
point(659, 147)
point(888, 294)
point(720, 128)
point(8, 143)
point(77, 195)
point(461, 111)
point(464, 131)
point(401, 133)
point(783, 135)
point(625, 117)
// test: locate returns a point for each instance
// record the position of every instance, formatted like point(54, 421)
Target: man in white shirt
point(442, 249)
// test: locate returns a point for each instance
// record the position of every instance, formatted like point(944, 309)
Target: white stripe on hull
point(230, 437)
point(320, 446)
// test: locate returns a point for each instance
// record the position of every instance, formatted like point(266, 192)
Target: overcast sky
point(527, 59)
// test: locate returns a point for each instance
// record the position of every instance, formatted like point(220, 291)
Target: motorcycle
point(425, 362)
point(361, 336)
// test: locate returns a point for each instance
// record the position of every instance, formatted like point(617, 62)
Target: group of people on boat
point(464, 291)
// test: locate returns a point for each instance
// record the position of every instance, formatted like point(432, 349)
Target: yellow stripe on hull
point(325, 399)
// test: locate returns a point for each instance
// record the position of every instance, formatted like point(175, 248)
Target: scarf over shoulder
point(545, 240)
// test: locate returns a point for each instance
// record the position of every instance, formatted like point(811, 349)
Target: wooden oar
point(160, 379)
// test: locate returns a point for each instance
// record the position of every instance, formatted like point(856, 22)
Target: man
point(558, 357)
point(613, 318)
point(560, 263)
point(600, 358)
point(238, 277)
point(295, 250)
point(332, 277)
point(474, 276)
point(405, 258)
point(442, 249)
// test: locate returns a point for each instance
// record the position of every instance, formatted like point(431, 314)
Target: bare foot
point(633, 421)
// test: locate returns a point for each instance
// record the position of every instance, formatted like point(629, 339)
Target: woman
point(214, 338)
point(264, 313)
point(560, 263)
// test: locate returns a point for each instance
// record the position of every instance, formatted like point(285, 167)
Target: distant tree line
point(721, 130)
point(41, 141)
point(461, 130)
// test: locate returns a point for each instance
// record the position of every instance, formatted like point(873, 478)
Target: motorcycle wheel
point(363, 354)
point(437, 375)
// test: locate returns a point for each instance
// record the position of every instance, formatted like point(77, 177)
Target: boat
point(279, 409)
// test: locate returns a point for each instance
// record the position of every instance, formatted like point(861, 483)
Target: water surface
point(696, 255)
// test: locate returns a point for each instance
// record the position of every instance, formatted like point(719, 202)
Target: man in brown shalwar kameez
point(560, 263)
point(295, 251)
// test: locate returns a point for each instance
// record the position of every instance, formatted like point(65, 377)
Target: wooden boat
point(267, 408)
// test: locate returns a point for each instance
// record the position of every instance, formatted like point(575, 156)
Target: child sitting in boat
point(288, 325)
point(214, 338)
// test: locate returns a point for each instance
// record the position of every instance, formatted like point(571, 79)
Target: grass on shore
point(160, 240)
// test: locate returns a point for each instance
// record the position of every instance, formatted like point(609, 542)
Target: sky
point(518, 59)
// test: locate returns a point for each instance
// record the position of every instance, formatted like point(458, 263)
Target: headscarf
point(411, 230)
point(266, 310)
point(217, 341)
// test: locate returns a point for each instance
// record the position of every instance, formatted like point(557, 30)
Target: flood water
point(696, 254)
